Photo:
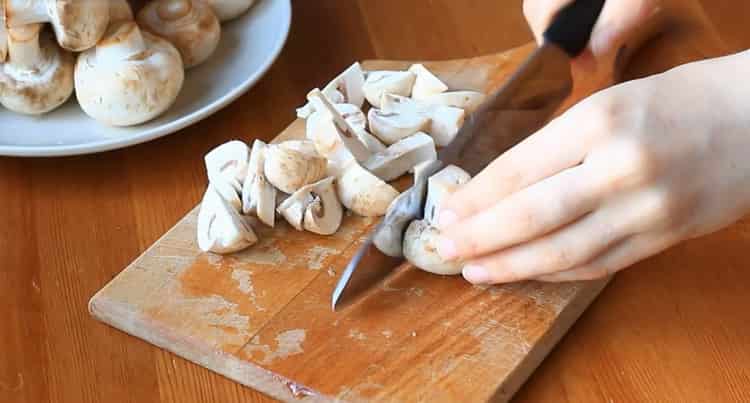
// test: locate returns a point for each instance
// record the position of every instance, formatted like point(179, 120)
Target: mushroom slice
point(130, 77)
point(37, 76)
point(314, 208)
point(227, 192)
point(227, 10)
point(293, 164)
point(190, 25)
point(258, 195)
point(362, 192)
point(444, 121)
point(469, 101)
point(334, 136)
point(402, 156)
point(440, 185)
point(393, 126)
point(345, 88)
point(426, 84)
point(78, 24)
point(229, 162)
point(387, 82)
point(221, 229)
point(120, 10)
point(322, 130)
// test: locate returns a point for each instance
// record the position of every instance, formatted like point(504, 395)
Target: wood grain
point(673, 328)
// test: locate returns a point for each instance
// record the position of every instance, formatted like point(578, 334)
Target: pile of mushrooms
point(363, 130)
point(129, 68)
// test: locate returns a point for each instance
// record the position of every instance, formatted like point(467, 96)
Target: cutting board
point(262, 317)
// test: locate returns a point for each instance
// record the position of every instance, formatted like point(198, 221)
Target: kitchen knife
point(519, 108)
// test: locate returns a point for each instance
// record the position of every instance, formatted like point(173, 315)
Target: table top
point(674, 328)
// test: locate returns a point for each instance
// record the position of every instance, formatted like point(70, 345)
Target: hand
point(621, 176)
point(618, 19)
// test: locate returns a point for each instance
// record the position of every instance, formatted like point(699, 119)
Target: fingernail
point(476, 274)
point(446, 218)
point(446, 248)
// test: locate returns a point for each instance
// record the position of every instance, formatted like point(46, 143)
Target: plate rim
point(165, 129)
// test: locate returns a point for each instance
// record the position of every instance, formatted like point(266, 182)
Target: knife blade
point(513, 112)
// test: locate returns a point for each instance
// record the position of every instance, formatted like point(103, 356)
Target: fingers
point(561, 250)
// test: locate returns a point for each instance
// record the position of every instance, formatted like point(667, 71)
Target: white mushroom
point(37, 76)
point(469, 101)
point(119, 11)
point(227, 192)
point(314, 207)
point(78, 24)
point(378, 83)
point(322, 130)
point(426, 83)
point(190, 25)
point(421, 237)
point(230, 9)
point(346, 88)
point(444, 121)
point(3, 33)
point(220, 228)
point(228, 162)
point(258, 195)
point(362, 192)
point(130, 77)
point(293, 164)
point(401, 157)
point(391, 127)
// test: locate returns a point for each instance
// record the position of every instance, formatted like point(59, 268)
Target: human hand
point(621, 176)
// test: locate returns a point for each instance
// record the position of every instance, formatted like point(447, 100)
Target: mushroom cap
point(293, 164)
point(39, 89)
point(190, 25)
point(120, 10)
point(391, 127)
point(420, 249)
point(227, 10)
point(426, 84)
point(129, 78)
point(258, 195)
point(401, 157)
point(364, 193)
point(378, 83)
point(79, 24)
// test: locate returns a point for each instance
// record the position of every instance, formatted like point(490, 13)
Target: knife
point(519, 108)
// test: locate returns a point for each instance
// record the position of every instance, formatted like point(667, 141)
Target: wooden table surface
point(674, 328)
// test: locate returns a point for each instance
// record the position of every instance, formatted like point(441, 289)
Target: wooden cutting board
point(262, 317)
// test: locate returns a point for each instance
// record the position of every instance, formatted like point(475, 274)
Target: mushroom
point(37, 76)
point(220, 227)
point(228, 192)
point(190, 25)
point(391, 127)
point(345, 88)
point(444, 121)
point(78, 24)
point(293, 164)
point(227, 10)
point(130, 77)
point(401, 157)
point(387, 82)
point(228, 162)
point(421, 237)
point(314, 207)
point(426, 84)
point(119, 11)
point(258, 195)
point(362, 192)
point(3, 33)
point(469, 101)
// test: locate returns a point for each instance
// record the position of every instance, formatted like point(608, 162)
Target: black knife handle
point(572, 27)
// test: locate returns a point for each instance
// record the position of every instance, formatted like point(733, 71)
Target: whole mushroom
point(190, 25)
point(130, 77)
point(37, 76)
point(78, 24)
point(230, 9)
point(120, 10)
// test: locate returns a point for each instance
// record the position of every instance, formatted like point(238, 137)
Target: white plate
point(248, 47)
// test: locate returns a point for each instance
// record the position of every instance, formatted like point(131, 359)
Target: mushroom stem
point(122, 41)
point(26, 12)
point(23, 47)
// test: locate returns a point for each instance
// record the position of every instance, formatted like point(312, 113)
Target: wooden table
point(675, 328)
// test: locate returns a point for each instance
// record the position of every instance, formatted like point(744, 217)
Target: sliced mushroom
point(293, 164)
point(344, 89)
point(78, 24)
point(130, 77)
point(426, 84)
point(220, 228)
point(439, 186)
point(229, 162)
point(119, 11)
point(391, 127)
point(469, 101)
point(322, 130)
point(258, 195)
point(37, 76)
point(402, 156)
point(362, 192)
point(230, 9)
point(227, 192)
point(378, 83)
point(334, 137)
point(444, 121)
point(314, 208)
point(190, 25)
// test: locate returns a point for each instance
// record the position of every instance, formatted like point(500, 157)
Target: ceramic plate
point(248, 47)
